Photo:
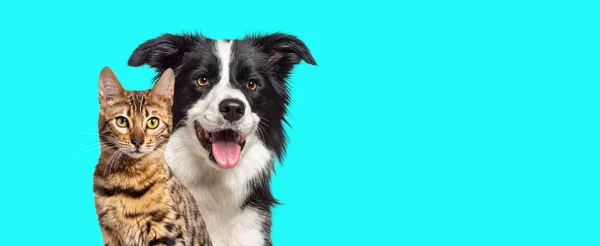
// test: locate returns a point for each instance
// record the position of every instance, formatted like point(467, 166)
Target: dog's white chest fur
point(228, 224)
point(220, 194)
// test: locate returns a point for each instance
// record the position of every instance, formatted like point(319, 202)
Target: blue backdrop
point(429, 123)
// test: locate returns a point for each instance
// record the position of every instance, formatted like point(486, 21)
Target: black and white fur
point(236, 202)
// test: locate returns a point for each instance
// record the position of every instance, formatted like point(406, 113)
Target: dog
point(230, 102)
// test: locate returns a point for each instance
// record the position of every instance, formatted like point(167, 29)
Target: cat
point(138, 199)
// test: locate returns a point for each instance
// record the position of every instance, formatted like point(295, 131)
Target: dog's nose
point(232, 109)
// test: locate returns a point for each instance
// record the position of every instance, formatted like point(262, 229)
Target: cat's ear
point(165, 86)
point(109, 86)
point(284, 52)
point(163, 52)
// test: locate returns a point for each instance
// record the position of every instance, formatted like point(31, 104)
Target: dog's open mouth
point(224, 146)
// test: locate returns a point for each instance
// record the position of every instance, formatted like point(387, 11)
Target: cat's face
point(134, 122)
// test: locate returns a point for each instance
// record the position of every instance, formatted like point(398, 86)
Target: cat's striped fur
point(138, 199)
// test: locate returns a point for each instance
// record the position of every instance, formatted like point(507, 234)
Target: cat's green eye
point(122, 122)
point(152, 123)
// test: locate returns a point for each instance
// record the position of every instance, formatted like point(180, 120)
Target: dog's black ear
point(284, 51)
point(163, 52)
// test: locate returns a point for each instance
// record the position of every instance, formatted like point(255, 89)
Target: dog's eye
point(203, 80)
point(251, 85)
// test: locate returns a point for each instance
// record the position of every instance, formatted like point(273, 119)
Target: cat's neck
point(116, 162)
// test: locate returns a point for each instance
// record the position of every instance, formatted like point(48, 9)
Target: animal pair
point(229, 106)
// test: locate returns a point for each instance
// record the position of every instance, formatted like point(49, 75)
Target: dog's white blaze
point(224, 53)
point(220, 193)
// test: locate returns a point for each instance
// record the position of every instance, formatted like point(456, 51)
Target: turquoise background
point(425, 123)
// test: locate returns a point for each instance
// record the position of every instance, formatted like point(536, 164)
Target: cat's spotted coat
point(138, 199)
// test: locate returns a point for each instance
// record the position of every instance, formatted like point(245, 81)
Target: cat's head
point(134, 122)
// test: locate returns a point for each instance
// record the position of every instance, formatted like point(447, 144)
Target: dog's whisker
point(180, 121)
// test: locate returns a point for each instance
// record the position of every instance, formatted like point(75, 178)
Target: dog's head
point(229, 92)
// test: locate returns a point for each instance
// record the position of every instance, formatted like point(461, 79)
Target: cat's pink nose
point(137, 141)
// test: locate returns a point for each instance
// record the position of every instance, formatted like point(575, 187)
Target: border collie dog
point(230, 100)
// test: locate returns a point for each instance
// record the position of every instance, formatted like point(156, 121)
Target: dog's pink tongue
point(225, 149)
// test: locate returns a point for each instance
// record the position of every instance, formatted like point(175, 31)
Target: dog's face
point(227, 92)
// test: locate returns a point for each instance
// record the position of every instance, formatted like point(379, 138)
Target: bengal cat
point(138, 199)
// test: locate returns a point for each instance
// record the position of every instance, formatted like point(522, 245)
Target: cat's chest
point(141, 229)
point(137, 219)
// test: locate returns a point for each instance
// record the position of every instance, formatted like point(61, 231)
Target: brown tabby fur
point(138, 199)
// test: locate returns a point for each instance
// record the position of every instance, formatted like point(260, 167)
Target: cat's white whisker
point(89, 150)
point(86, 133)
point(111, 160)
point(88, 146)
